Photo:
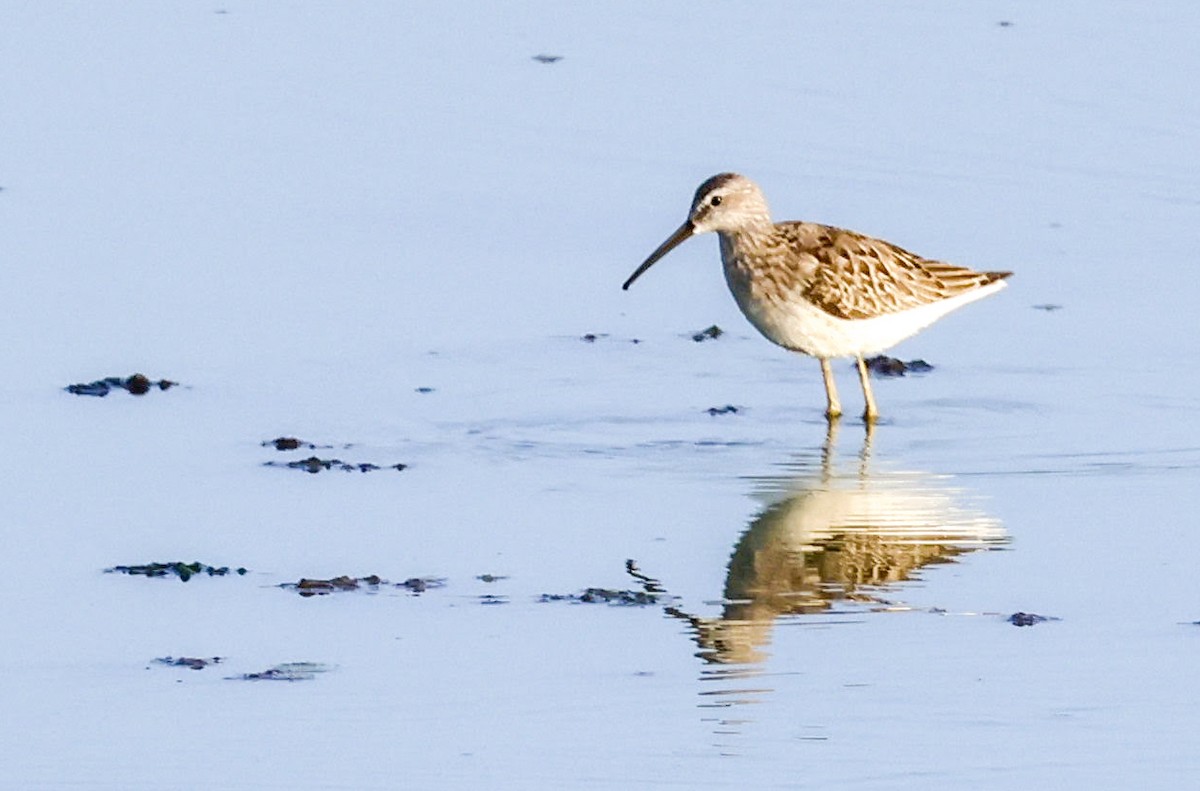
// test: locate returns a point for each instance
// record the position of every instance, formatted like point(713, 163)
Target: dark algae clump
point(315, 464)
point(882, 365)
point(372, 582)
point(607, 596)
point(288, 671)
point(184, 571)
point(1028, 619)
point(190, 662)
point(137, 384)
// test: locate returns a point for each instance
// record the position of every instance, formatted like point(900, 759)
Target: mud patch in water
point(315, 464)
point(184, 571)
point(490, 577)
point(606, 596)
point(1028, 619)
point(882, 365)
point(137, 384)
point(292, 443)
point(288, 671)
point(190, 662)
point(652, 593)
point(592, 337)
point(371, 583)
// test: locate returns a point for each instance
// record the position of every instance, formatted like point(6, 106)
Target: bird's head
point(726, 203)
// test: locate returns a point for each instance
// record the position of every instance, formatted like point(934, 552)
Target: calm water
point(306, 214)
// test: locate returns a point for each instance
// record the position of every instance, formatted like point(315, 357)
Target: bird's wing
point(857, 277)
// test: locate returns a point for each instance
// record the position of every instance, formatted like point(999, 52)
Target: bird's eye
point(715, 200)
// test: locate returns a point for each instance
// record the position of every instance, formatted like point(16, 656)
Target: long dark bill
point(685, 232)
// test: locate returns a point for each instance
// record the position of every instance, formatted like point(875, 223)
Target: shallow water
point(271, 208)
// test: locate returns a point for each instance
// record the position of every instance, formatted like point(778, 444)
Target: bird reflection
point(830, 537)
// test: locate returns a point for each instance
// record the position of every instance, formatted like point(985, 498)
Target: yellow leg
point(870, 413)
point(833, 410)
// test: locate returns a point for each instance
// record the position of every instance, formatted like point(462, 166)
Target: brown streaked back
point(859, 277)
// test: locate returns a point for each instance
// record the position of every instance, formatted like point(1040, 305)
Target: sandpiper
point(823, 291)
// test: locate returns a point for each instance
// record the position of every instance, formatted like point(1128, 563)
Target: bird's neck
point(749, 239)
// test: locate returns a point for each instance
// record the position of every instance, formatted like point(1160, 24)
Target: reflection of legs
point(870, 413)
point(834, 407)
point(864, 455)
point(828, 449)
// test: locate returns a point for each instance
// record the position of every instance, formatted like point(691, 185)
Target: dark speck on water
point(424, 389)
point(1027, 619)
point(490, 577)
point(1049, 307)
point(728, 409)
point(547, 58)
point(708, 334)
point(592, 337)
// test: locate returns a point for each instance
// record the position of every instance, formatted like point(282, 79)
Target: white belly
point(798, 325)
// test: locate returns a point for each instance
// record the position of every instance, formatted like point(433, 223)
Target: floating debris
point(190, 662)
point(1004, 23)
point(137, 384)
point(310, 587)
point(490, 577)
point(288, 671)
point(607, 596)
point(185, 571)
point(708, 334)
point(422, 584)
point(492, 598)
point(1049, 307)
point(592, 337)
point(1028, 619)
point(317, 587)
point(728, 409)
point(547, 58)
point(425, 390)
point(295, 443)
point(314, 465)
point(883, 365)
